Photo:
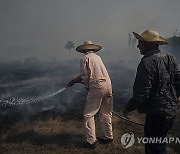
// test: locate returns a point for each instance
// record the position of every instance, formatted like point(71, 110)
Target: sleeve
point(84, 70)
point(142, 85)
point(177, 80)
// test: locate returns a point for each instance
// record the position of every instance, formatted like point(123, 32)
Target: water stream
point(20, 101)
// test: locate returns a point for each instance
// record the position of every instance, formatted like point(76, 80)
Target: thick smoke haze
point(34, 61)
point(40, 28)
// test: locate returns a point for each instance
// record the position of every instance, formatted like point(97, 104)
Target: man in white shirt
point(99, 99)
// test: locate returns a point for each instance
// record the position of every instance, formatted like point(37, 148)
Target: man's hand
point(178, 102)
point(71, 83)
point(126, 113)
point(178, 99)
point(78, 79)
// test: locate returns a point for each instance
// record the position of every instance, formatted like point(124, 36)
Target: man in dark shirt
point(156, 90)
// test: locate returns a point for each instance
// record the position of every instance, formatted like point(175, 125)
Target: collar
point(89, 52)
point(151, 52)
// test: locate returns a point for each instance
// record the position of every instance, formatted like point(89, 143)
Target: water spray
point(20, 101)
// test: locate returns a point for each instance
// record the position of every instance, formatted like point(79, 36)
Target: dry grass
point(59, 135)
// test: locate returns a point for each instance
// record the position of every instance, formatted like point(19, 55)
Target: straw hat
point(151, 36)
point(88, 45)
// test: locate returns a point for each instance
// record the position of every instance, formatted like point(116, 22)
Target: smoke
point(31, 87)
point(36, 86)
point(35, 63)
point(42, 28)
point(27, 91)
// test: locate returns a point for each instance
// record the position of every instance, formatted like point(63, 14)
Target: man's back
point(93, 67)
point(162, 69)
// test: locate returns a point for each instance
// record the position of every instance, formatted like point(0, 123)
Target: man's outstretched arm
point(78, 79)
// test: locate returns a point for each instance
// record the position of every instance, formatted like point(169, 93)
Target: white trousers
point(100, 99)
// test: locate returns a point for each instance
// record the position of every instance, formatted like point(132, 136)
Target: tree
point(69, 45)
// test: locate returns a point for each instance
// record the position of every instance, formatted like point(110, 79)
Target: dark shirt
point(157, 85)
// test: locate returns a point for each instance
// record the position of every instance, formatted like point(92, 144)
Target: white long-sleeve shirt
point(92, 70)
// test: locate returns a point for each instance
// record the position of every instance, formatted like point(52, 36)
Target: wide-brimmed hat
point(151, 36)
point(88, 45)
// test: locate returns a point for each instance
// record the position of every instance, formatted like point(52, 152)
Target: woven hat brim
point(84, 47)
point(160, 40)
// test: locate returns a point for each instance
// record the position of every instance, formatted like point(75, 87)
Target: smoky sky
point(42, 27)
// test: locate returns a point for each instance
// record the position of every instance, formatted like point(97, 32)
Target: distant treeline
point(174, 46)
